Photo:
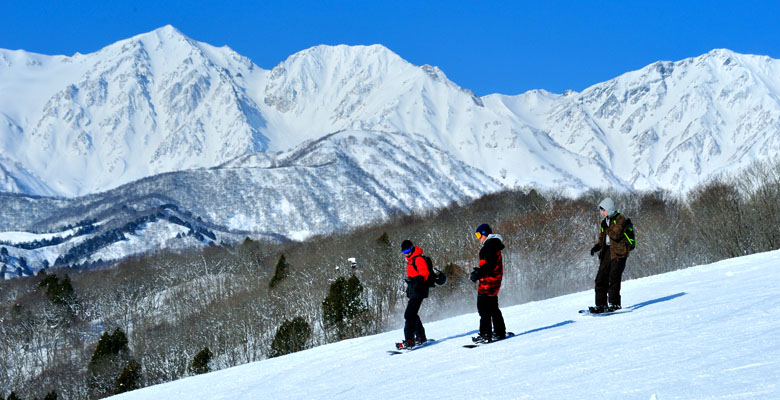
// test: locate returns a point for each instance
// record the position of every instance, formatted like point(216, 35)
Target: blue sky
point(488, 47)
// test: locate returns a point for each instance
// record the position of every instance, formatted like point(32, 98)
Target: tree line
point(164, 316)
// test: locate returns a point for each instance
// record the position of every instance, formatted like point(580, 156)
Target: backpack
point(628, 232)
point(435, 277)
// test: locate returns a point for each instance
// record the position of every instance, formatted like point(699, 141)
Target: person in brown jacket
point(613, 251)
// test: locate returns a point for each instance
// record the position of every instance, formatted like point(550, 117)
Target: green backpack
point(628, 232)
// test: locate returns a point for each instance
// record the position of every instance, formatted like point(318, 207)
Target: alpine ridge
point(162, 102)
point(339, 136)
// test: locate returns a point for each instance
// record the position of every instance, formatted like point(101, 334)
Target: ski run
point(707, 332)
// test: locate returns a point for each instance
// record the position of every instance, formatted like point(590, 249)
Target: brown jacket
point(618, 244)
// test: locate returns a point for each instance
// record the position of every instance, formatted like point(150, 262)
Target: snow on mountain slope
point(162, 102)
point(337, 182)
point(326, 89)
point(340, 181)
point(671, 124)
point(154, 103)
point(704, 332)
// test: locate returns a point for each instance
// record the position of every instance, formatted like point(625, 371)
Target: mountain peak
point(345, 55)
point(163, 36)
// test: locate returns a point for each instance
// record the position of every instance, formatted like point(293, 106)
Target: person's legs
point(498, 319)
point(412, 320)
point(617, 266)
point(485, 315)
point(602, 278)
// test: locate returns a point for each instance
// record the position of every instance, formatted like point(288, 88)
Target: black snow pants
point(608, 280)
point(413, 327)
point(490, 316)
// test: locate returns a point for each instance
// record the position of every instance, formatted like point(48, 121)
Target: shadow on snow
point(567, 322)
point(655, 301)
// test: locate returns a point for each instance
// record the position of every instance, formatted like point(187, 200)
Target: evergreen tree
point(200, 364)
point(13, 396)
point(292, 336)
point(109, 361)
point(58, 292)
point(281, 271)
point(342, 310)
point(109, 346)
point(130, 378)
point(50, 396)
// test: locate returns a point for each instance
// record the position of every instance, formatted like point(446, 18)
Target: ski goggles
point(407, 251)
point(478, 235)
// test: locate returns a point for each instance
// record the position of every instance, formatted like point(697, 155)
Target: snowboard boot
point(598, 309)
point(420, 340)
point(499, 336)
point(482, 339)
point(405, 345)
point(614, 307)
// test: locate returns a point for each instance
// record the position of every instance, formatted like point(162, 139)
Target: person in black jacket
point(489, 273)
point(416, 291)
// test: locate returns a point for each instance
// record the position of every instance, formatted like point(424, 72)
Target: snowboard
point(419, 346)
point(604, 314)
point(473, 345)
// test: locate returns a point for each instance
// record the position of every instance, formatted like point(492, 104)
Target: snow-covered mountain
point(339, 181)
point(162, 102)
point(707, 332)
point(154, 103)
point(339, 136)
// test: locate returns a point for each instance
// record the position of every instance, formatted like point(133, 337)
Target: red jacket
point(491, 266)
point(417, 273)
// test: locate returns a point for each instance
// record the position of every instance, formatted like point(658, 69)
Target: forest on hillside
point(88, 334)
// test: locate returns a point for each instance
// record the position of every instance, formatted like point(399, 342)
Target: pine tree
point(200, 364)
point(109, 346)
point(129, 379)
point(281, 271)
point(342, 310)
point(292, 336)
point(13, 396)
point(50, 396)
point(108, 363)
point(58, 292)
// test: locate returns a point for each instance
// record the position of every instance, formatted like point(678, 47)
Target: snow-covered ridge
point(161, 102)
point(340, 181)
point(703, 332)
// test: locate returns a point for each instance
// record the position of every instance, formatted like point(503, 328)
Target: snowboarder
point(613, 252)
point(416, 291)
point(489, 274)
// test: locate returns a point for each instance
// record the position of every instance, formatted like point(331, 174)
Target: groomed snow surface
point(708, 332)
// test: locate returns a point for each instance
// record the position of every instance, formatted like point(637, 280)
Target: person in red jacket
point(416, 291)
point(489, 274)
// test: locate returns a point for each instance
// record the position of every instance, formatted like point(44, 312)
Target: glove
point(473, 276)
point(594, 249)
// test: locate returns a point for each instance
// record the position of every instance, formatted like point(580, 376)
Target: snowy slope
point(704, 332)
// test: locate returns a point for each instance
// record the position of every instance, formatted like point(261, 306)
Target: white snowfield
point(708, 332)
